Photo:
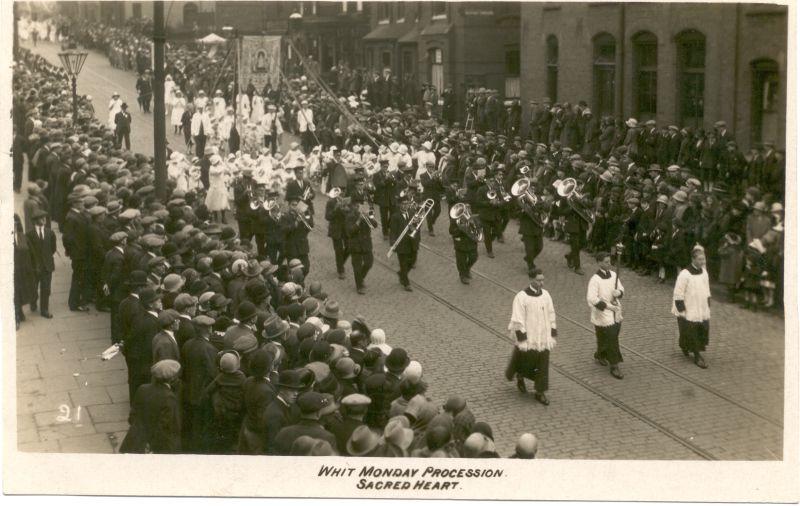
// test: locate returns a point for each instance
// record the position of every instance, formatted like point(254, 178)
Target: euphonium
point(521, 189)
point(462, 214)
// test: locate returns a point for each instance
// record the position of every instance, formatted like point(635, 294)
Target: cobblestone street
point(665, 408)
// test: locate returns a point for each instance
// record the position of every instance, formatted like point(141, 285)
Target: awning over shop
point(387, 32)
point(410, 38)
point(436, 29)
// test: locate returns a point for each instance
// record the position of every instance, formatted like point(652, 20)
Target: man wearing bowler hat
point(137, 345)
point(282, 412)
point(311, 404)
point(42, 242)
point(122, 127)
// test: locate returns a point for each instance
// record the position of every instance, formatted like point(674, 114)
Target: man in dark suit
point(200, 368)
point(359, 242)
point(335, 210)
point(406, 249)
point(137, 345)
point(43, 246)
point(282, 412)
point(298, 187)
point(384, 190)
point(113, 280)
point(186, 306)
point(295, 232)
point(145, 89)
point(576, 227)
point(155, 417)
point(165, 345)
point(311, 405)
point(466, 248)
point(530, 230)
point(76, 247)
point(432, 188)
point(122, 120)
point(354, 408)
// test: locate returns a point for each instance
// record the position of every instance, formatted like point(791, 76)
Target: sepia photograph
point(335, 248)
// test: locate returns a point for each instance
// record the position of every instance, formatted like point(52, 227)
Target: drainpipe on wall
point(621, 86)
point(736, 59)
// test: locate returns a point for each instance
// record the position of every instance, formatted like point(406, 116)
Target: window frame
point(690, 76)
point(438, 15)
point(645, 72)
point(602, 68)
point(551, 67)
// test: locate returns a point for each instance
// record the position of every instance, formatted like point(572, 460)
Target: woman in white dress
point(257, 109)
point(169, 94)
point(114, 106)
point(178, 107)
point(217, 196)
point(243, 102)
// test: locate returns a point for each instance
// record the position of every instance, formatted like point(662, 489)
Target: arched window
point(190, 12)
point(604, 68)
point(645, 74)
point(551, 62)
point(691, 48)
point(765, 102)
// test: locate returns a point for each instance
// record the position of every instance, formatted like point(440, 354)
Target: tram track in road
point(706, 455)
point(379, 259)
point(643, 356)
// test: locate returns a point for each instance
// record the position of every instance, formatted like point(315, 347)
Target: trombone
point(413, 224)
point(367, 218)
point(301, 215)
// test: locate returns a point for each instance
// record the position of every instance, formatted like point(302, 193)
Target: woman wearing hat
point(731, 258)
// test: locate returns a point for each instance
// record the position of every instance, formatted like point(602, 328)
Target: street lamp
point(72, 61)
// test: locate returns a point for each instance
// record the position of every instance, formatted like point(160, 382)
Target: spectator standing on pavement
point(42, 242)
point(76, 246)
point(155, 419)
point(24, 284)
point(691, 305)
point(122, 121)
point(533, 326)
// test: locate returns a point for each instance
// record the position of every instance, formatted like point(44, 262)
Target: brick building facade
point(682, 64)
point(457, 44)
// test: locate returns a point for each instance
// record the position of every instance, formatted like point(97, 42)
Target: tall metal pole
point(16, 32)
point(159, 110)
point(74, 100)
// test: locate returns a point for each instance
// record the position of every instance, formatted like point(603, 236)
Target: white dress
point(219, 107)
point(114, 106)
point(178, 107)
point(217, 196)
point(257, 111)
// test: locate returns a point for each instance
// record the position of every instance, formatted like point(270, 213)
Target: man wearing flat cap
point(165, 345)
point(199, 357)
point(76, 247)
point(155, 419)
point(112, 277)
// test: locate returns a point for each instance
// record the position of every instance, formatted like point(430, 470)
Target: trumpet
point(413, 224)
point(462, 213)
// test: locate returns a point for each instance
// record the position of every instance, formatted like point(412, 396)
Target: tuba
point(521, 189)
point(567, 189)
point(462, 214)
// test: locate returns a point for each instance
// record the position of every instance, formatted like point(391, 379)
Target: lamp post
point(73, 61)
